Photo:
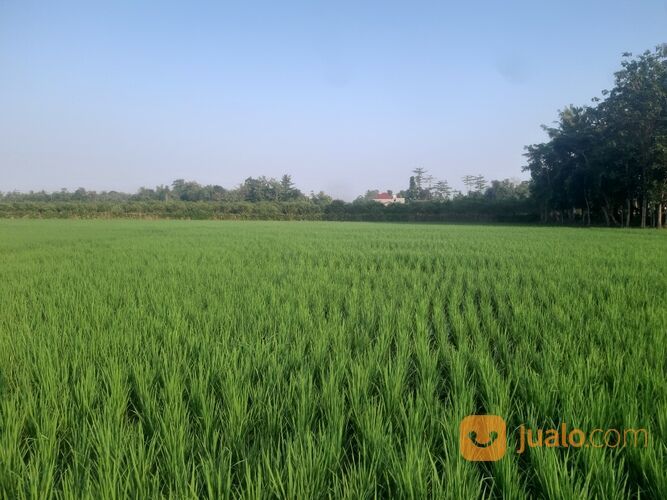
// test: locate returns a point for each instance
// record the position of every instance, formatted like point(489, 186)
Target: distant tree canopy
point(251, 190)
point(265, 198)
point(609, 159)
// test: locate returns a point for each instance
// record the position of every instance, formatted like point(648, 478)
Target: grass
point(311, 360)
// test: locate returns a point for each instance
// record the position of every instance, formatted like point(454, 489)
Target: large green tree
point(609, 158)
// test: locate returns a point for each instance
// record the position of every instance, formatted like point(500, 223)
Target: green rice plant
point(204, 359)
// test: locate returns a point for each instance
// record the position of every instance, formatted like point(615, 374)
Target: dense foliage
point(462, 210)
point(268, 199)
point(609, 160)
point(316, 360)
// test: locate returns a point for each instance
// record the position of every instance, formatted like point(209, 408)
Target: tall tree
point(469, 182)
point(638, 102)
point(479, 183)
point(413, 190)
point(442, 190)
point(420, 177)
point(287, 190)
point(609, 157)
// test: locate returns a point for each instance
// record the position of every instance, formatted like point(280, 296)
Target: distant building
point(388, 199)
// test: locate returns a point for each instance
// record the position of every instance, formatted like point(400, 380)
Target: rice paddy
point(189, 359)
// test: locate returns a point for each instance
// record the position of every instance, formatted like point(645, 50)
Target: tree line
point(268, 198)
point(251, 190)
point(608, 161)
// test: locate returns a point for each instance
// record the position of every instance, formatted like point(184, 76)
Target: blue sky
point(344, 96)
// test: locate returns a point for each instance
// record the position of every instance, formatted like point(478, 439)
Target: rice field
point(188, 359)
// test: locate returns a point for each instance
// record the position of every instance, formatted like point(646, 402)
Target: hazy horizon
point(342, 97)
